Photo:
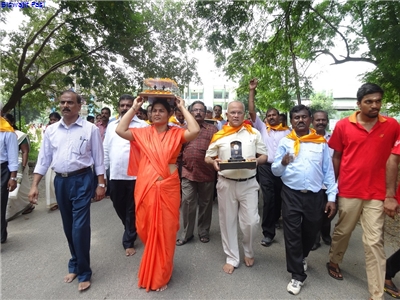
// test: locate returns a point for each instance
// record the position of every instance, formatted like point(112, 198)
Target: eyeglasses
point(197, 110)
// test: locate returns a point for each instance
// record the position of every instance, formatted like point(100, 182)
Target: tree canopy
point(99, 48)
point(276, 41)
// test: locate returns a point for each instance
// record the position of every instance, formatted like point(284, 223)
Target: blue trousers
point(73, 198)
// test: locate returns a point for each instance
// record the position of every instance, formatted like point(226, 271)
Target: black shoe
point(315, 246)
point(327, 240)
point(266, 242)
point(277, 225)
point(4, 238)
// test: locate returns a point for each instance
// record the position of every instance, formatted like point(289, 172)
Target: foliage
point(276, 41)
point(99, 48)
point(322, 101)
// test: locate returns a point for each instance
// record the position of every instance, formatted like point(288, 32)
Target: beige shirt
point(252, 144)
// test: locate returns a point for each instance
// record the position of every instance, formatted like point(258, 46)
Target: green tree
point(277, 41)
point(322, 101)
point(99, 47)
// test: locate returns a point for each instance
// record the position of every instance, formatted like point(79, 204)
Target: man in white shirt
point(238, 188)
point(122, 186)
point(270, 184)
point(71, 147)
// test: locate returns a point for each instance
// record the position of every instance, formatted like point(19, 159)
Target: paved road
point(34, 261)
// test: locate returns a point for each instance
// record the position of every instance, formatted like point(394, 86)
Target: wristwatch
point(13, 178)
point(101, 185)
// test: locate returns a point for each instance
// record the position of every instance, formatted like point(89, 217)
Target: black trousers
point(393, 265)
point(271, 187)
point(5, 177)
point(122, 196)
point(302, 216)
point(325, 231)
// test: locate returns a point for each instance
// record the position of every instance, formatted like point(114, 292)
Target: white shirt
point(252, 144)
point(66, 149)
point(117, 150)
point(271, 138)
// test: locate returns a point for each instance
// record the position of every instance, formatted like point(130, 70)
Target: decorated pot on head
point(154, 88)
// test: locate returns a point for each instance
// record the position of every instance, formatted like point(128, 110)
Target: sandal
point(392, 291)
point(28, 210)
point(334, 272)
point(204, 239)
point(53, 208)
point(180, 242)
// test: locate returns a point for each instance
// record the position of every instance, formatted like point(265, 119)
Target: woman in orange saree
point(154, 150)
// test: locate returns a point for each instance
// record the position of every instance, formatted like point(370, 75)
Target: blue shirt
point(9, 149)
point(310, 170)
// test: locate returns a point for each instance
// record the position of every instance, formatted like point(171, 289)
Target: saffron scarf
point(219, 118)
point(5, 126)
point(312, 137)
point(228, 130)
point(278, 127)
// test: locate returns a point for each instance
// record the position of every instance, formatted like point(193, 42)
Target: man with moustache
point(122, 186)
point(320, 121)
point(304, 163)
point(71, 147)
point(197, 180)
point(102, 125)
point(218, 114)
point(362, 144)
point(270, 184)
point(237, 188)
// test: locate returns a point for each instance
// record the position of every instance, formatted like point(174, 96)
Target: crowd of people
point(166, 160)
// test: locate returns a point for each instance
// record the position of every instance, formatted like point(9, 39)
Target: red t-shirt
point(396, 150)
point(362, 172)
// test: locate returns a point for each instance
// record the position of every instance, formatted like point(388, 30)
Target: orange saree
point(157, 202)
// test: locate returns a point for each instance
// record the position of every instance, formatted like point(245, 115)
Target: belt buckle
point(64, 174)
point(304, 191)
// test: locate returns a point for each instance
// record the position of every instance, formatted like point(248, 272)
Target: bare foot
point(249, 261)
point(130, 251)
point(162, 288)
point(228, 268)
point(70, 277)
point(83, 286)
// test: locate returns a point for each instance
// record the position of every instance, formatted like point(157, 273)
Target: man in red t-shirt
point(362, 144)
point(392, 207)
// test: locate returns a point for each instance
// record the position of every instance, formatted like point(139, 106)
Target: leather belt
point(306, 191)
point(239, 179)
point(81, 171)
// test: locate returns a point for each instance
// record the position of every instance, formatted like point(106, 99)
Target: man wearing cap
point(71, 148)
point(237, 188)
point(9, 168)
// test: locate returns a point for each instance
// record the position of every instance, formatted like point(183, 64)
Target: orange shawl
point(312, 137)
point(228, 130)
point(278, 127)
point(5, 126)
point(157, 202)
point(218, 119)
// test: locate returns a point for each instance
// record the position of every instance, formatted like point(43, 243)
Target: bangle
point(101, 185)
point(13, 178)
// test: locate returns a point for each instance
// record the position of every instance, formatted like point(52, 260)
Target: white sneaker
point(294, 286)
point(305, 265)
